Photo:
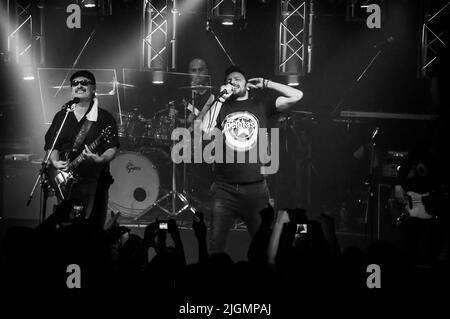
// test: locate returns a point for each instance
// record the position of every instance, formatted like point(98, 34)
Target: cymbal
point(124, 85)
point(347, 121)
point(302, 115)
point(118, 84)
point(197, 87)
point(302, 112)
point(58, 86)
point(112, 92)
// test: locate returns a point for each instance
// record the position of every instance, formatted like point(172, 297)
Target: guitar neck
point(79, 159)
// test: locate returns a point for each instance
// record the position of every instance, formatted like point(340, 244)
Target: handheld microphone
point(225, 91)
point(69, 104)
point(384, 43)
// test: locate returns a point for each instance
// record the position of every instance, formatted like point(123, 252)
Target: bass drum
point(137, 181)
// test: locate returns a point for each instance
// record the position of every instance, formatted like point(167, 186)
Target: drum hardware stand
point(301, 141)
point(173, 194)
point(193, 95)
point(183, 190)
point(369, 184)
point(354, 84)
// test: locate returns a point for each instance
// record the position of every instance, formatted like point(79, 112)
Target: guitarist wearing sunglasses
point(79, 163)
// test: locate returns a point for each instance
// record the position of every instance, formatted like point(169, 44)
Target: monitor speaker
point(19, 177)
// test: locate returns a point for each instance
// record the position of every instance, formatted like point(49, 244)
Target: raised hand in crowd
point(281, 219)
point(150, 234)
point(257, 251)
point(267, 216)
point(329, 232)
point(199, 227)
point(174, 232)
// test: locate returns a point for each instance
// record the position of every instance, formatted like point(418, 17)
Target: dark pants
point(94, 197)
point(85, 191)
point(231, 201)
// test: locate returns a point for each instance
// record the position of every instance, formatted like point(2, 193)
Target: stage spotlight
point(227, 12)
point(293, 80)
point(227, 22)
point(28, 73)
point(158, 77)
point(89, 3)
point(356, 10)
point(364, 3)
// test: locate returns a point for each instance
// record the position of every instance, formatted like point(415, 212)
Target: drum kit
point(145, 176)
point(139, 178)
point(135, 130)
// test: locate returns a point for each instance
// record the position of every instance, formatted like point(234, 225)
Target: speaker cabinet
point(19, 176)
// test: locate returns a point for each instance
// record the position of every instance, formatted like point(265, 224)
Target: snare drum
point(139, 178)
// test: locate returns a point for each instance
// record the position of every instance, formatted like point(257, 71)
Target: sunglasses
point(82, 82)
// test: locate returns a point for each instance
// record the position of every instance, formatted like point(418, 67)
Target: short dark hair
point(85, 74)
point(234, 68)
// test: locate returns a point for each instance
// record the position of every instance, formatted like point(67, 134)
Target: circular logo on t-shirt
point(240, 130)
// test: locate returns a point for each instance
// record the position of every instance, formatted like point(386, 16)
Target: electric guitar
point(411, 206)
point(62, 180)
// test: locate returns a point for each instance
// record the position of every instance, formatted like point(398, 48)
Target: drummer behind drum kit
point(144, 175)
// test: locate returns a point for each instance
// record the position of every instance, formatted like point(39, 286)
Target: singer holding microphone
point(240, 189)
point(84, 124)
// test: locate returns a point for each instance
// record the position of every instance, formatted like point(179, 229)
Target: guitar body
point(411, 206)
point(61, 182)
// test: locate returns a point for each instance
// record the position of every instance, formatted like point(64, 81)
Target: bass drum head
point(136, 184)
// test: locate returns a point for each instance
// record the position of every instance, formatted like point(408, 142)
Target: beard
point(240, 93)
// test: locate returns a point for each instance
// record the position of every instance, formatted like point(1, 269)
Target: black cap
point(234, 68)
point(85, 74)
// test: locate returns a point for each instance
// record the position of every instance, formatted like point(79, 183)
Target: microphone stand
point(208, 28)
point(369, 184)
point(304, 142)
point(42, 176)
point(352, 87)
point(75, 62)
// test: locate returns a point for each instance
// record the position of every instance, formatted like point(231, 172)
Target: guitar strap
point(81, 135)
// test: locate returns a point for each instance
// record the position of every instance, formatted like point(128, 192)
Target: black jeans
point(231, 201)
point(95, 197)
point(84, 191)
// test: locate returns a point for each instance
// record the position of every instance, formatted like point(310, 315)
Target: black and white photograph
point(224, 158)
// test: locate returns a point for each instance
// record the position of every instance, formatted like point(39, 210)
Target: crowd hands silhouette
point(289, 255)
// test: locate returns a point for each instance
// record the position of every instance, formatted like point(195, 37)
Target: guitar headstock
point(107, 134)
